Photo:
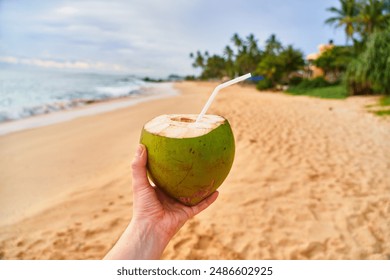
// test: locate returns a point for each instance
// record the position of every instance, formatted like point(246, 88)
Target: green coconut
point(188, 160)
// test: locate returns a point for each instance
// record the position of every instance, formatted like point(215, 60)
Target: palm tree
point(215, 67)
point(252, 45)
point(374, 15)
point(199, 60)
point(292, 60)
point(387, 6)
point(238, 42)
point(345, 16)
point(228, 52)
point(370, 72)
point(273, 45)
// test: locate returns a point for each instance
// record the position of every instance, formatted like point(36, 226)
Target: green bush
point(318, 82)
point(385, 101)
point(264, 84)
point(334, 61)
point(294, 81)
point(334, 92)
point(370, 72)
point(190, 78)
point(312, 83)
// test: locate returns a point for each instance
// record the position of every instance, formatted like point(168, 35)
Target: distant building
point(312, 70)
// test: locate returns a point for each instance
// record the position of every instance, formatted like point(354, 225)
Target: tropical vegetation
point(367, 63)
point(274, 63)
point(361, 66)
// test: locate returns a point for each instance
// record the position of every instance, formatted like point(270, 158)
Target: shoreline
point(91, 108)
point(68, 139)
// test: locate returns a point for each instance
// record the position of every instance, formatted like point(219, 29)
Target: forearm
point(140, 241)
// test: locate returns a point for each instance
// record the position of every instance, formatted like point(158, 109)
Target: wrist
point(149, 242)
point(140, 241)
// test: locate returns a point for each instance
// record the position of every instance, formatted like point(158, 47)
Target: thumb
point(205, 203)
point(138, 166)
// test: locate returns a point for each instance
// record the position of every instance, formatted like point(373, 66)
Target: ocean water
point(25, 93)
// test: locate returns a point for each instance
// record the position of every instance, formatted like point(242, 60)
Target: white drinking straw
point(217, 89)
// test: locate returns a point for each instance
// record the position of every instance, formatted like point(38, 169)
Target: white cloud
point(81, 65)
point(67, 11)
point(139, 34)
point(9, 59)
point(150, 37)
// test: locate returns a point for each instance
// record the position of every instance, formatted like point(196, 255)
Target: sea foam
point(29, 93)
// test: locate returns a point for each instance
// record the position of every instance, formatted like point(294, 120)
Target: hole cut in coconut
point(183, 126)
point(183, 119)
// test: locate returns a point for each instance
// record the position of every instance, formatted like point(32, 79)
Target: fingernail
point(140, 150)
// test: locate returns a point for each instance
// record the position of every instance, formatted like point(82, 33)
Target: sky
point(151, 37)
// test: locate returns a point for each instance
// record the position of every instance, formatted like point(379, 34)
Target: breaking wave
point(24, 94)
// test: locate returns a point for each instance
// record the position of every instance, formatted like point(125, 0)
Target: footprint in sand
point(203, 242)
point(181, 243)
point(35, 243)
point(115, 222)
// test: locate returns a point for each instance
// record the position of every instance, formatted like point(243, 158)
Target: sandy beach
point(310, 180)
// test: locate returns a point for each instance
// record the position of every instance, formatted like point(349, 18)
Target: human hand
point(156, 216)
point(153, 206)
